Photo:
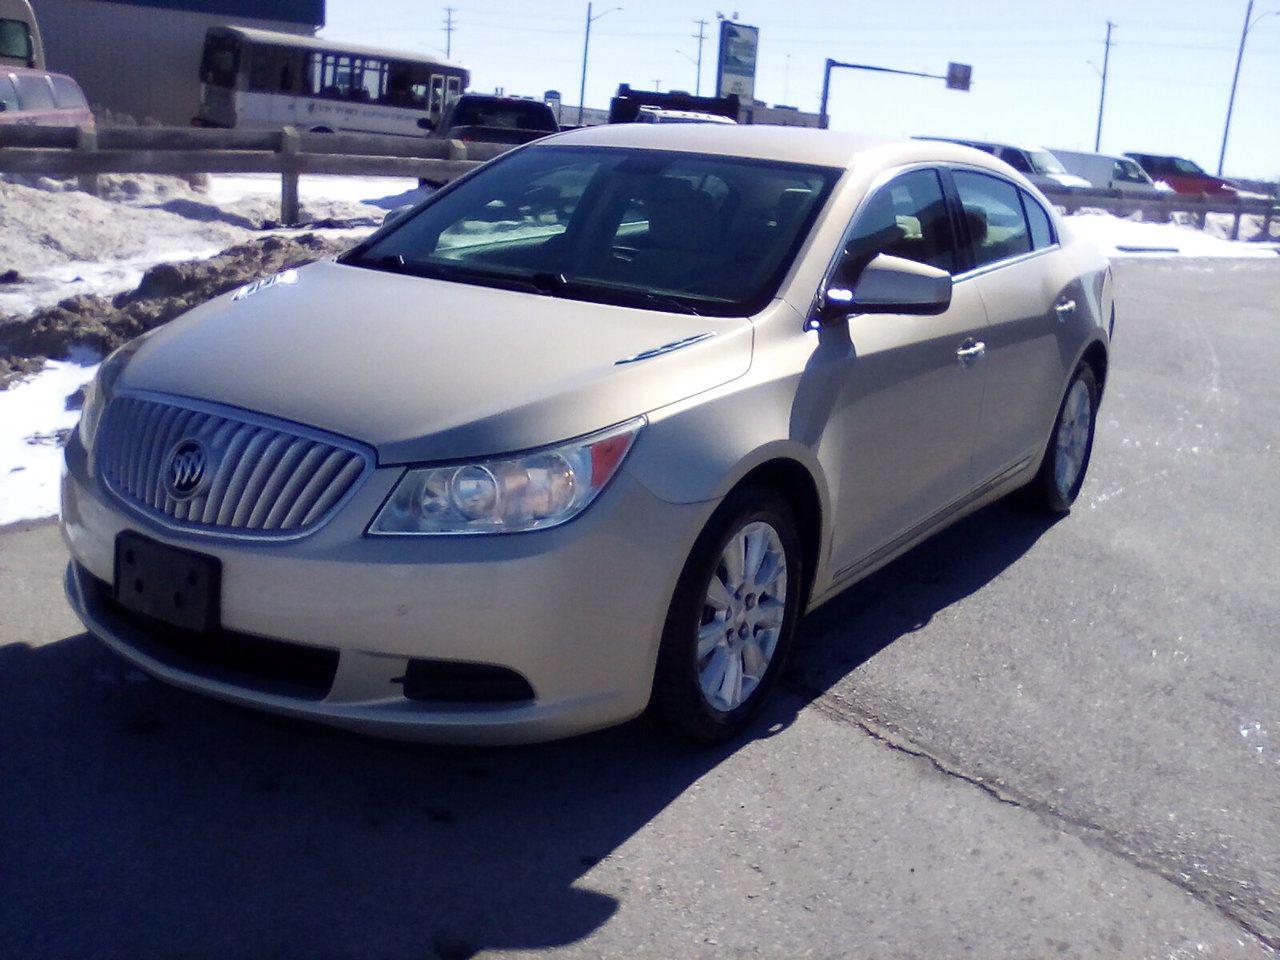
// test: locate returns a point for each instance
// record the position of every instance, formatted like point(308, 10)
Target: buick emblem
point(185, 470)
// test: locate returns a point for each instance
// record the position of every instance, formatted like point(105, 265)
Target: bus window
point(437, 93)
point(455, 87)
point(406, 87)
point(369, 85)
point(221, 61)
point(270, 70)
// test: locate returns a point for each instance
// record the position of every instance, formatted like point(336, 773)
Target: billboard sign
point(736, 70)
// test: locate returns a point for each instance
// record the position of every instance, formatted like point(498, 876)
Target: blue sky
point(1032, 78)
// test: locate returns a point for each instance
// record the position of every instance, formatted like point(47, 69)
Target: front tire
point(1066, 459)
point(731, 620)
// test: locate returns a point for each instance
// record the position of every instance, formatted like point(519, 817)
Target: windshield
point(510, 114)
point(654, 229)
point(221, 61)
point(1187, 166)
point(1042, 161)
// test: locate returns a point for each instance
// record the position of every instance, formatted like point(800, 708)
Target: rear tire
point(731, 621)
point(1066, 458)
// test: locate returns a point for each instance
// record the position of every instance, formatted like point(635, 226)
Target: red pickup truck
point(1184, 176)
point(40, 98)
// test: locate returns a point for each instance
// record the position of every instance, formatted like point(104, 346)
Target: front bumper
point(576, 610)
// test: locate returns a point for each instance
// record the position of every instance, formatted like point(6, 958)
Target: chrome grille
point(264, 478)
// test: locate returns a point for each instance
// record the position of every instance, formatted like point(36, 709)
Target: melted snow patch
point(1117, 237)
point(32, 414)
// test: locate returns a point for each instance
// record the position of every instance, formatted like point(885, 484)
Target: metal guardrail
point(1163, 206)
point(73, 152)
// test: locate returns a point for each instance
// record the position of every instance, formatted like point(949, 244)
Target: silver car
point(584, 434)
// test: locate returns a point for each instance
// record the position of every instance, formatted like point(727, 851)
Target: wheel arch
point(794, 483)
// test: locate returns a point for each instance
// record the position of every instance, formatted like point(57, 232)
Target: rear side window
point(34, 93)
point(1039, 222)
point(993, 214)
point(907, 218)
point(66, 94)
point(8, 94)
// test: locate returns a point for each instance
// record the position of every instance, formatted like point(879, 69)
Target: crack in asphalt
point(842, 710)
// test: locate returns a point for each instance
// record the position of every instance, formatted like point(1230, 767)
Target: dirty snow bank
point(167, 290)
point(56, 241)
point(1119, 237)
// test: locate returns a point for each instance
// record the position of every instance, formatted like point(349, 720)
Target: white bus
point(262, 79)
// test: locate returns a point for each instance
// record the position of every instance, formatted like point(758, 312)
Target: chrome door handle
point(971, 350)
point(1064, 309)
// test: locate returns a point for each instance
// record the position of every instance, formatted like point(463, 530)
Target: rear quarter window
point(34, 93)
point(1038, 221)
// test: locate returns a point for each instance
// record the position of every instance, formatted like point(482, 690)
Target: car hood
point(430, 370)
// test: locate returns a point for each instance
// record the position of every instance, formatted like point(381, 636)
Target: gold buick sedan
point(585, 433)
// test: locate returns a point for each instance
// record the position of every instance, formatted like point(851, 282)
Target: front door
point(912, 386)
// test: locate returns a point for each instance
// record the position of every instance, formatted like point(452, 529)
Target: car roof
point(824, 148)
point(30, 72)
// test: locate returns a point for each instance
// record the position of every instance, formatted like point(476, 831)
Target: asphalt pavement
point(1024, 739)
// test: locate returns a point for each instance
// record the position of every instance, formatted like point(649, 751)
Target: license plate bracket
point(178, 587)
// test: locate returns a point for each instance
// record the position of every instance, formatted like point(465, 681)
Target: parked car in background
point(585, 434)
point(1182, 175)
point(20, 44)
point(494, 119)
point(1107, 172)
point(1035, 163)
point(659, 115)
point(40, 98)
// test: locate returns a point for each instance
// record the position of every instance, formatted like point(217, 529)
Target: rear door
point(911, 386)
point(1029, 289)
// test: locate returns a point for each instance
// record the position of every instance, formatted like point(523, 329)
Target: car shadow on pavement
point(139, 820)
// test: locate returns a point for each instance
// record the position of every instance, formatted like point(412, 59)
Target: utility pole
point(700, 36)
point(1102, 98)
point(586, 44)
point(448, 31)
point(1231, 103)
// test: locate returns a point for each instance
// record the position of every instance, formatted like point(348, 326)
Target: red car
point(40, 98)
point(1184, 176)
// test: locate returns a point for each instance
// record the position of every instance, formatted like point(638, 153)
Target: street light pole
point(586, 43)
point(1102, 98)
point(1249, 23)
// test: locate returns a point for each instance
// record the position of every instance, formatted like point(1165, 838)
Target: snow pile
point(34, 422)
point(1118, 237)
point(62, 242)
point(167, 290)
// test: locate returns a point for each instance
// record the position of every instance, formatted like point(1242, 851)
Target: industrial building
point(140, 59)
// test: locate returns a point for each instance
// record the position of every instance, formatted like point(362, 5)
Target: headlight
point(530, 491)
point(98, 391)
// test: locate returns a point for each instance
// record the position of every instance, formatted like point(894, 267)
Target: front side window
point(1129, 172)
point(67, 95)
point(993, 215)
point(906, 218)
point(34, 93)
point(15, 40)
point(1039, 222)
point(1016, 159)
point(652, 229)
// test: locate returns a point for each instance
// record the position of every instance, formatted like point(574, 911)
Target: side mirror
point(426, 123)
point(396, 213)
point(889, 285)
